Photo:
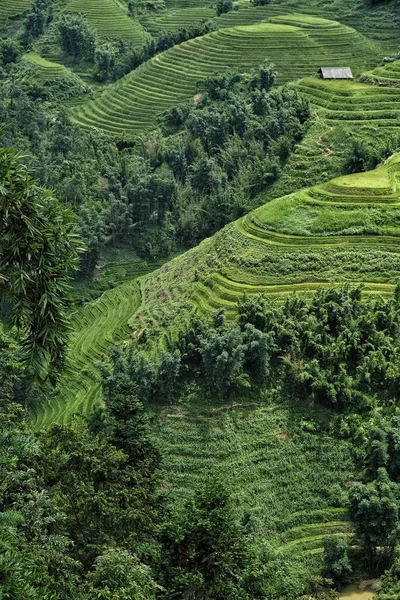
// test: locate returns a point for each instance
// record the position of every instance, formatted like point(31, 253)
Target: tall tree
point(206, 549)
point(374, 508)
point(38, 252)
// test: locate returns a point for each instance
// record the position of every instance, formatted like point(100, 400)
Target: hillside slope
point(97, 326)
point(346, 230)
point(10, 8)
point(109, 20)
point(132, 104)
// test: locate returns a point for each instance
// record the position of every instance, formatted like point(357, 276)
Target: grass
point(353, 103)
point(387, 75)
point(344, 111)
point(132, 105)
point(109, 19)
point(344, 230)
point(45, 69)
point(57, 80)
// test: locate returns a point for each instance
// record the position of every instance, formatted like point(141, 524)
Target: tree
point(390, 582)
point(377, 451)
point(106, 493)
point(223, 353)
point(104, 58)
point(119, 575)
point(11, 369)
point(224, 6)
point(127, 424)
point(205, 549)
point(168, 373)
point(77, 37)
point(336, 561)
point(38, 253)
point(264, 77)
point(256, 355)
point(10, 51)
point(37, 19)
point(375, 513)
point(34, 550)
point(205, 176)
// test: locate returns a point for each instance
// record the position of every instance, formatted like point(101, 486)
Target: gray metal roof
point(336, 73)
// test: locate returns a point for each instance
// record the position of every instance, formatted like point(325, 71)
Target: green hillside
point(200, 330)
point(46, 69)
point(277, 470)
point(343, 231)
point(132, 104)
point(172, 20)
point(387, 75)
point(349, 103)
point(11, 8)
point(96, 327)
point(109, 20)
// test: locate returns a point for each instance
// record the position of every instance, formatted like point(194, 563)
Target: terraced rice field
point(352, 213)
point(10, 8)
point(96, 327)
point(343, 231)
point(387, 75)
point(377, 26)
point(45, 69)
point(109, 20)
point(280, 477)
point(249, 15)
point(173, 20)
point(132, 104)
point(353, 103)
point(179, 4)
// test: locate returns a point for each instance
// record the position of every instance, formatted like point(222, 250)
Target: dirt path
point(323, 146)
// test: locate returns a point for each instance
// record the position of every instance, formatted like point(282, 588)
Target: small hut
point(335, 73)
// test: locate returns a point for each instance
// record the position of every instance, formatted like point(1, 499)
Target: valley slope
point(345, 230)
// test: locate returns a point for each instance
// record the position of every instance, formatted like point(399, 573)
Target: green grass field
point(132, 104)
point(109, 19)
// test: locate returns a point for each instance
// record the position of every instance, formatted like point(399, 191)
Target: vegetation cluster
point(174, 187)
point(199, 431)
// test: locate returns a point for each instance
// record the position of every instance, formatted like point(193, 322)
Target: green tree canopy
point(207, 550)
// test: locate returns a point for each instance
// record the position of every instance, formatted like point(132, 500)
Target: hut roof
point(336, 73)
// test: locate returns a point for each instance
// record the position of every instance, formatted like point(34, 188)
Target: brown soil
point(281, 435)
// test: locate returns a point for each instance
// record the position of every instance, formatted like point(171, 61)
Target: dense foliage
point(80, 508)
point(83, 506)
point(173, 188)
point(277, 473)
point(339, 351)
point(38, 253)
